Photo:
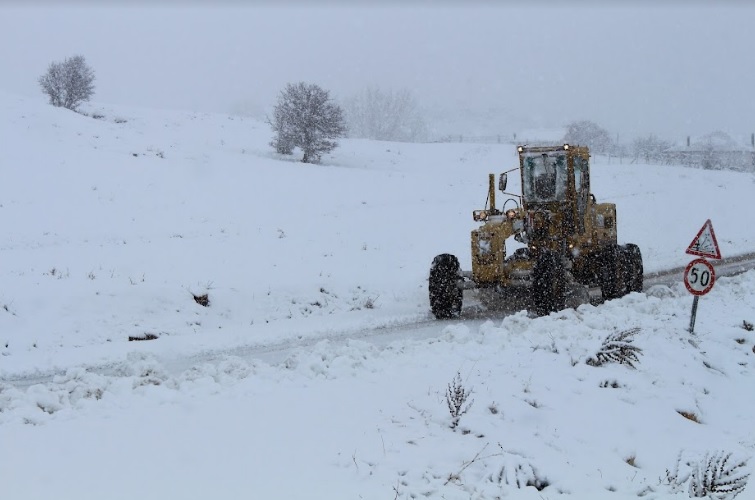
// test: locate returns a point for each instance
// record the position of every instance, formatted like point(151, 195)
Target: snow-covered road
point(393, 330)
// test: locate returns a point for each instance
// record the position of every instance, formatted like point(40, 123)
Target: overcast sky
point(671, 70)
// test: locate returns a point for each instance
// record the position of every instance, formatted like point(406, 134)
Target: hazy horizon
point(671, 70)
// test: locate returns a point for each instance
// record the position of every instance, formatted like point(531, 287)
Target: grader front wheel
point(445, 294)
point(611, 273)
point(549, 284)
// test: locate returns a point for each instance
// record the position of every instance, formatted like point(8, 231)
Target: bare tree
point(385, 116)
point(68, 83)
point(713, 147)
point(650, 148)
point(305, 117)
point(587, 133)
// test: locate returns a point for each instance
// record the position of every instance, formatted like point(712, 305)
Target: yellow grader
point(567, 253)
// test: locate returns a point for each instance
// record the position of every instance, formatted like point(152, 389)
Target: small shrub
point(716, 476)
point(747, 326)
point(618, 348)
point(689, 416)
point(456, 399)
point(613, 384)
point(520, 475)
point(57, 273)
point(203, 300)
point(146, 336)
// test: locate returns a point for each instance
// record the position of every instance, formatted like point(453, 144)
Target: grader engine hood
point(548, 227)
point(539, 224)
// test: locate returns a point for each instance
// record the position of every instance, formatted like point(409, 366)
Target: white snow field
point(317, 371)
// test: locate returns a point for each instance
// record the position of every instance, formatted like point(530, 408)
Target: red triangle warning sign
point(705, 243)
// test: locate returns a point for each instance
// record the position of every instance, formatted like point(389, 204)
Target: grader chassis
point(568, 242)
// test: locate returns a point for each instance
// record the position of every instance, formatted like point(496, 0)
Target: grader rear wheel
point(634, 268)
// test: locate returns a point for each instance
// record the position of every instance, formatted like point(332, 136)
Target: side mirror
point(502, 181)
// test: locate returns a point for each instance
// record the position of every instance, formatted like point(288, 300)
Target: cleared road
point(473, 316)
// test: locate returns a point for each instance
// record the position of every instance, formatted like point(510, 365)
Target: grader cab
point(567, 252)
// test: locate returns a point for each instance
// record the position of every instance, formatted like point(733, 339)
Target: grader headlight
point(480, 215)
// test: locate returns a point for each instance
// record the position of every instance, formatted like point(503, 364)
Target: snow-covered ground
point(112, 224)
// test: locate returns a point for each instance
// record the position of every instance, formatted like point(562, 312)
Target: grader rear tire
point(445, 294)
point(634, 268)
point(611, 278)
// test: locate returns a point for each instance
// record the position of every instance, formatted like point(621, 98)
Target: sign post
point(693, 317)
point(699, 276)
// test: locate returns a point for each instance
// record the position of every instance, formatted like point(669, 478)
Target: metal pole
point(694, 314)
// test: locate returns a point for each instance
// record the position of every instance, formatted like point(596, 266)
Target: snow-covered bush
point(456, 399)
point(519, 474)
point(617, 348)
point(716, 476)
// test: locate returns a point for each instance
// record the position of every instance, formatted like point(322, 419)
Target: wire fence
point(738, 160)
point(481, 139)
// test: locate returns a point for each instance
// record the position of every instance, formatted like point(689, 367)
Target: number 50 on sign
point(699, 277)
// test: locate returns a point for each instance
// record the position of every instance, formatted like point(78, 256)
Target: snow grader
point(566, 242)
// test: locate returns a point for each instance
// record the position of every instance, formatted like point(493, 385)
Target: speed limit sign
point(699, 277)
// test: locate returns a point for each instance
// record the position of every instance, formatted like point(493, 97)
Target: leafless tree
point(588, 133)
point(68, 83)
point(385, 116)
point(650, 148)
point(306, 117)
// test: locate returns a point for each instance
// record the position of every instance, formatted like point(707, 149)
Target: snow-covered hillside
point(112, 224)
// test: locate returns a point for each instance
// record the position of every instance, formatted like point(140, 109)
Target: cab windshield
point(545, 177)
